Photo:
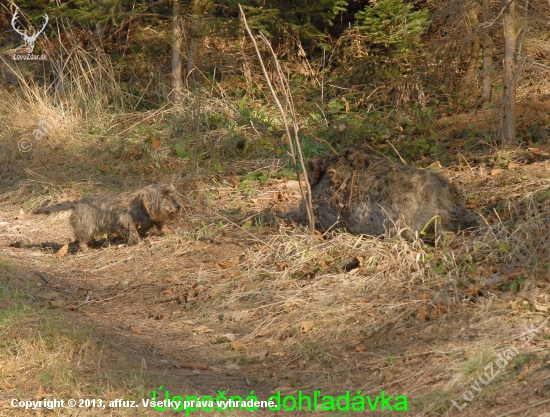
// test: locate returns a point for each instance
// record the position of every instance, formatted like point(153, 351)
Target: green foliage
point(502, 159)
point(305, 18)
point(392, 25)
point(502, 245)
point(180, 149)
point(86, 12)
point(252, 178)
point(513, 285)
point(537, 132)
point(343, 128)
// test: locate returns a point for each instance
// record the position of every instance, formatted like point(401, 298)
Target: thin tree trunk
point(487, 83)
point(472, 65)
point(177, 42)
point(191, 50)
point(198, 7)
point(487, 45)
point(509, 79)
point(473, 14)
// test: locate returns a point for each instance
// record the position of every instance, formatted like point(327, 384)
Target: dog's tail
point(66, 205)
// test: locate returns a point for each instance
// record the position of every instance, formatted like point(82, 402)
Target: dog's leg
point(133, 237)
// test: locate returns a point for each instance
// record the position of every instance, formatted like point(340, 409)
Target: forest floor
point(219, 307)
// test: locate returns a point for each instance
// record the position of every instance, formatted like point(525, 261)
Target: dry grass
point(343, 312)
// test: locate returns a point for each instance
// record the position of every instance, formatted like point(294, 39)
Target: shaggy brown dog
point(129, 216)
point(368, 195)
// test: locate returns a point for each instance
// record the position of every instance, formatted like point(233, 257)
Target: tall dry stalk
point(295, 153)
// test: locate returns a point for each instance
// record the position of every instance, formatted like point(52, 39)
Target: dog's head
point(161, 202)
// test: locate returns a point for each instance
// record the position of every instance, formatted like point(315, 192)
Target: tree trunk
point(472, 65)
point(473, 15)
point(197, 9)
point(509, 75)
point(177, 42)
point(487, 45)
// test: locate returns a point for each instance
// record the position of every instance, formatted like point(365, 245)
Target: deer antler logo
point(29, 40)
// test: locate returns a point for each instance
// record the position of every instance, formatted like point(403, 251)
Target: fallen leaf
point(306, 326)
point(135, 330)
point(195, 365)
point(472, 290)
point(513, 165)
point(203, 329)
point(62, 252)
point(278, 354)
point(238, 346)
point(511, 275)
point(422, 313)
point(496, 171)
point(362, 257)
point(360, 348)
point(40, 394)
point(181, 298)
point(283, 265)
point(224, 265)
point(155, 143)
